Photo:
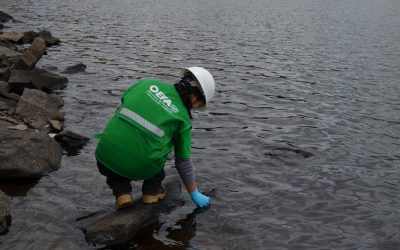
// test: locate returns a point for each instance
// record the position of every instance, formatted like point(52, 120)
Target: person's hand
point(200, 199)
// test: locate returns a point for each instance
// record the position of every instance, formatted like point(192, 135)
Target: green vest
point(151, 122)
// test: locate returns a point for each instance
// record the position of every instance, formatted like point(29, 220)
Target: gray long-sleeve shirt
point(185, 170)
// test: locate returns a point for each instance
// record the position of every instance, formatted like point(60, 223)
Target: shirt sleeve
point(183, 143)
point(185, 170)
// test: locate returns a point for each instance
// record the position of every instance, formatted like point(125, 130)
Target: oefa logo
point(158, 96)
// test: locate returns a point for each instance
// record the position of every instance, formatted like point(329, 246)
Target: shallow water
point(301, 142)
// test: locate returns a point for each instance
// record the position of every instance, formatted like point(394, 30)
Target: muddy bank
point(32, 135)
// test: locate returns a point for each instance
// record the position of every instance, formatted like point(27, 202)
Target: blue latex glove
point(200, 199)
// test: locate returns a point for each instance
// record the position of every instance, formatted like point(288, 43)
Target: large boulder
point(119, 226)
point(32, 55)
point(27, 154)
point(5, 217)
point(35, 78)
point(39, 107)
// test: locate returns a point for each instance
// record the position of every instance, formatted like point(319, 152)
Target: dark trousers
point(122, 185)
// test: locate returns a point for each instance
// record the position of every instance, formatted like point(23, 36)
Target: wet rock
point(5, 91)
point(14, 37)
point(9, 52)
point(4, 61)
point(80, 67)
point(39, 107)
point(71, 142)
point(3, 106)
point(31, 56)
point(4, 17)
point(5, 74)
point(29, 37)
point(27, 154)
point(50, 40)
point(5, 217)
point(35, 78)
point(56, 125)
point(119, 226)
point(9, 45)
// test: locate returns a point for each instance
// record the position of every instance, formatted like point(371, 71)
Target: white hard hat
point(205, 79)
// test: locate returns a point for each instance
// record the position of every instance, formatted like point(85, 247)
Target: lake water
point(301, 143)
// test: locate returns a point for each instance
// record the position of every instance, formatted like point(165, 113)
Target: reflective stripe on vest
point(137, 118)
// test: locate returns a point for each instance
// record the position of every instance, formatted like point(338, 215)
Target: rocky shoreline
point(32, 135)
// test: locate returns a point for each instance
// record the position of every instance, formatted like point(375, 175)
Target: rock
point(39, 107)
point(5, 217)
point(15, 37)
point(119, 226)
point(4, 92)
point(27, 154)
point(9, 52)
point(71, 142)
point(35, 78)
point(8, 119)
point(4, 17)
point(31, 56)
point(3, 106)
point(80, 67)
point(50, 40)
point(5, 74)
point(9, 45)
point(29, 37)
point(21, 127)
point(56, 125)
point(4, 61)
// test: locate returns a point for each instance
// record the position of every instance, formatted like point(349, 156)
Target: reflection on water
point(301, 141)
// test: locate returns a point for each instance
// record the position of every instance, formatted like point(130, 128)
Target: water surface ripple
point(301, 144)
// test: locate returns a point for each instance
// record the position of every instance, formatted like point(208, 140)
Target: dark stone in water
point(4, 17)
point(5, 218)
point(120, 226)
point(29, 37)
point(71, 142)
point(50, 40)
point(75, 69)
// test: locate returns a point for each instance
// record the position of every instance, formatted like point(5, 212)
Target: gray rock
point(5, 217)
point(15, 37)
point(9, 52)
point(35, 78)
point(5, 92)
point(27, 154)
point(31, 56)
point(71, 142)
point(38, 106)
point(80, 67)
point(5, 74)
point(119, 226)
point(50, 40)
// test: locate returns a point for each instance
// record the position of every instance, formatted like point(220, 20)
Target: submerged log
point(120, 226)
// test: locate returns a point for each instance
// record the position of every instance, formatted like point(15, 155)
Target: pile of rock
point(29, 110)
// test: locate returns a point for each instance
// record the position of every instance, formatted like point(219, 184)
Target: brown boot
point(124, 200)
point(153, 198)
